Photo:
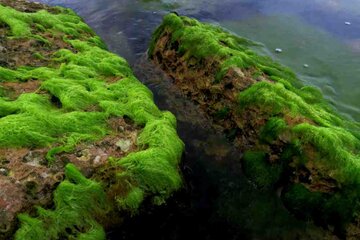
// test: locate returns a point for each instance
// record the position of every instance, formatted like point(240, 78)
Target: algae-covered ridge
point(81, 87)
point(290, 135)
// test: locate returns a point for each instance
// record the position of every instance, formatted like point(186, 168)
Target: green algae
point(272, 129)
point(334, 138)
point(298, 123)
point(155, 177)
point(81, 90)
point(66, 22)
point(261, 171)
point(78, 201)
point(323, 207)
point(230, 50)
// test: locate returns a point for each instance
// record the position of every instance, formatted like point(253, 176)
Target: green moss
point(303, 202)
point(7, 75)
point(78, 201)
point(272, 129)
point(3, 92)
point(158, 178)
point(222, 113)
point(336, 139)
point(38, 56)
point(201, 40)
point(66, 22)
point(132, 201)
point(74, 104)
point(323, 207)
point(259, 170)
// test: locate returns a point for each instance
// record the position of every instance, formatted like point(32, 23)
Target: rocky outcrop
point(81, 141)
point(292, 139)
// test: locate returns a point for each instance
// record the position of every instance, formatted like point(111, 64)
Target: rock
point(12, 200)
point(63, 125)
point(4, 171)
point(281, 128)
point(34, 159)
point(124, 144)
point(85, 155)
point(97, 160)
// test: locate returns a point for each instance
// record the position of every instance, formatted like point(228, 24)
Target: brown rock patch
point(27, 179)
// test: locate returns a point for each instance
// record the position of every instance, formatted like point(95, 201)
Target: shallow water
point(218, 202)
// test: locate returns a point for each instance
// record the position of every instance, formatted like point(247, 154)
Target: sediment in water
point(82, 143)
point(292, 139)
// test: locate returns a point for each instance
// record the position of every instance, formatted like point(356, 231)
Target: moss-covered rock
point(291, 137)
point(65, 105)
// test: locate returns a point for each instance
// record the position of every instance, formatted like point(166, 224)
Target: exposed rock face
point(79, 134)
point(291, 138)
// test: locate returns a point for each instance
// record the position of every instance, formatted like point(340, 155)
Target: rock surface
point(81, 141)
point(291, 138)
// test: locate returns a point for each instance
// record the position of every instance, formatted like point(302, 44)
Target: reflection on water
point(218, 202)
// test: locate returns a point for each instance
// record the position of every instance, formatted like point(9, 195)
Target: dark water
point(218, 202)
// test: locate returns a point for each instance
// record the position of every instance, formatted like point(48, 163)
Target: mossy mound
point(291, 137)
point(71, 103)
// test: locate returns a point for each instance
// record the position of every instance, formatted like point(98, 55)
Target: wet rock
point(84, 155)
point(59, 138)
point(4, 171)
point(97, 160)
point(34, 159)
point(11, 202)
point(124, 144)
point(286, 132)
